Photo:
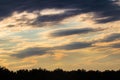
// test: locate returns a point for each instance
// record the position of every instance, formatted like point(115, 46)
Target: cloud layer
point(105, 10)
point(63, 33)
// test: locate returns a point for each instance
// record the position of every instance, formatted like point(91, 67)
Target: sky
point(66, 34)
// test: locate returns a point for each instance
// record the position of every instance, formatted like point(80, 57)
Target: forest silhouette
point(58, 74)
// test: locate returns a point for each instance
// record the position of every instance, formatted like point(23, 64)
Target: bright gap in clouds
point(53, 11)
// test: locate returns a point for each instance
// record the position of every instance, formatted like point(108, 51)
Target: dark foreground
point(58, 74)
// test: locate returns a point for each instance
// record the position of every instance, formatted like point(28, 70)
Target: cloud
point(105, 10)
point(111, 37)
point(75, 45)
point(109, 58)
point(31, 52)
point(68, 32)
point(116, 45)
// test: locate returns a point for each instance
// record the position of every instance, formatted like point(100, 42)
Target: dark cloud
point(68, 32)
point(116, 45)
point(112, 37)
point(75, 45)
point(105, 10)
point(53, 19)
point(31, 52)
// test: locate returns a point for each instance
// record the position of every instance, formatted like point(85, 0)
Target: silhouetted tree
point(58, 74)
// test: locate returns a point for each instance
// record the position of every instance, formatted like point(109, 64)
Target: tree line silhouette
point(58, 74)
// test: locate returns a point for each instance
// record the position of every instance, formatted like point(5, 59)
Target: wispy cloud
point(109, 58)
